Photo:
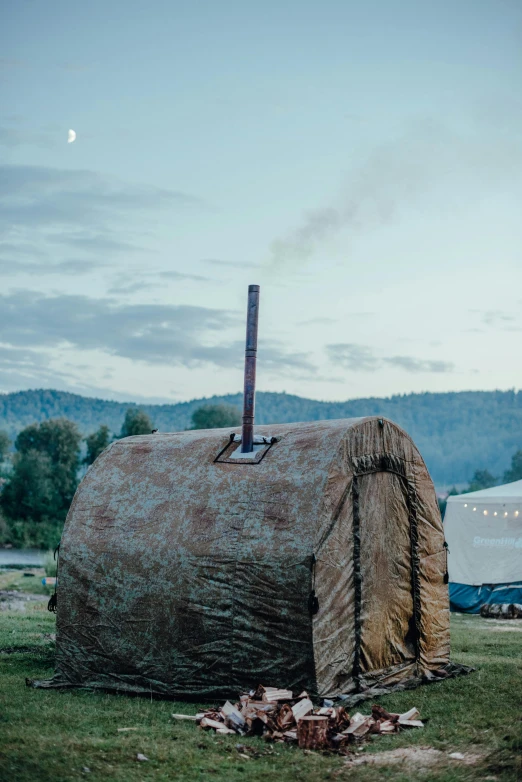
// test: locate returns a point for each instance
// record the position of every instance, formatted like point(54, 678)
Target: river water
point(28, 557)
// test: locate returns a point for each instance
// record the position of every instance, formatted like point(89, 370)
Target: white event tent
point(483, 530)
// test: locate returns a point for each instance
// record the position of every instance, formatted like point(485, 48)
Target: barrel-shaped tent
point(484, 533)
point(188, 569)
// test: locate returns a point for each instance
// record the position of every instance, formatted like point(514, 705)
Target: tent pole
point(249, 394)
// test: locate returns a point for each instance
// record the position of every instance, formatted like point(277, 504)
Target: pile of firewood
point(278, 716)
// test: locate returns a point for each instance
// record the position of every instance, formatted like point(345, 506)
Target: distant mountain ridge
point(456, 433)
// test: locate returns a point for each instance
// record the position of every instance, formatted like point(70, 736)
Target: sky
point(360, 161)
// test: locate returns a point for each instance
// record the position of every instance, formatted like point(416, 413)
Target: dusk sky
point(361, 161)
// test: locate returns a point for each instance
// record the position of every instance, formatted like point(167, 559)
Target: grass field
point(52, 736)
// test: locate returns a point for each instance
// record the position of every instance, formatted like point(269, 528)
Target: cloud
point(356, 357)
point(80, 210)
point(10, 267)
point(419, 365)
point(496, 317)
point(429, 161)
point(147, 332)
point(38, 194)
point(150, 333)
point(96, 243)
point(361, 358)
point(277, 361)
point(23, 368)
point(138, 282)
point(16, 137)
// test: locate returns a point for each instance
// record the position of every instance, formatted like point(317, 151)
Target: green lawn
point(47, 735)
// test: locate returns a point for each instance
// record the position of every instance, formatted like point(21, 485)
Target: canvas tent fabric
point(484, 534)
point(187, 574)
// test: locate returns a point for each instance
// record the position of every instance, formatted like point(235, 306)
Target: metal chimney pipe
point(249, 394)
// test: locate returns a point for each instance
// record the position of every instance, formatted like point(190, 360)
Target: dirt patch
point(11, 600)
point(414, 757)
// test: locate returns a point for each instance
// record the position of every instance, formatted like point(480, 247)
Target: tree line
point(38, 480)
point(483, 479)
point(450, 430)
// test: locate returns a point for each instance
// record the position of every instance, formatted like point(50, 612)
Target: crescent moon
point(71, 136)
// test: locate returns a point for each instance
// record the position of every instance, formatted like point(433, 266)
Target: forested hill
point(456, 433)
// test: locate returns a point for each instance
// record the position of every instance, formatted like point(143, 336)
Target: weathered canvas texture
point(185, 577)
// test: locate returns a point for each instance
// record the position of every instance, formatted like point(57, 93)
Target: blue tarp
point(469, 599)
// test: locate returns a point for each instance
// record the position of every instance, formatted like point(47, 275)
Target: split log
point(411, 714)
point(272, 694)
point(343, 718)
point(206, 722)
point(359, 727)
point(411, 723)
point(285, 718)
point(312, 732)
point(388, 726)
point(233, 717)
point(325, 711)
point(302, 708)
point(378, 713)
point(252, 707)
